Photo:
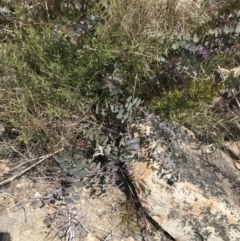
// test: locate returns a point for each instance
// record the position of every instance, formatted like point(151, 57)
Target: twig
point(224, 78)
point(234, 95)
point(31, 160)
point(19, 153)
point(46, 5)
point(110, 234)
point(70, 234)
point(29, 168)
point(24, 209)
point(83, 226)
point(6, 193)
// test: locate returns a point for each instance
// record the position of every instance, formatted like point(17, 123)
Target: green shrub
point(160, 52)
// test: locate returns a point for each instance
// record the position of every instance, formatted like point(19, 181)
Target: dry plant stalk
point(42, 158)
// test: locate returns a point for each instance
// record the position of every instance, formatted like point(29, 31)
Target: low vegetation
point(78, 73)
point(61, 62)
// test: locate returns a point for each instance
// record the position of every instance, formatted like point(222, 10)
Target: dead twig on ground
point(29, 168)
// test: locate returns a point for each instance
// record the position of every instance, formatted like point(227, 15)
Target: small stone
point(4, 168)
point(37, 195)
point(18, 185)
point(237, 165)
point(27, 205)
point(90, 237)
point(127, 239)
point(4, 161)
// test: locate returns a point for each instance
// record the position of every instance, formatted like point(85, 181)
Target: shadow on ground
point(5, 236)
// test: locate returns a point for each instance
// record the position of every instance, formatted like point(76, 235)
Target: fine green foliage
point(65, 61)
point(81, 73)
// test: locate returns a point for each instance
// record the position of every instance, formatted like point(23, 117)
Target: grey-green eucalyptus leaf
point(69, 189)
point(80, 174)
point(129, 98)
point(65, 165)
point(138, 103)
point(55, 169)
point(108, 149)
point(78, 184)
point(129, 107)
point(119, 116)
point(59, 159)
point(135, 101)
point(76, 197)
point(133, 141)
point(70, 180)
point(69, 200)
point(76, 157)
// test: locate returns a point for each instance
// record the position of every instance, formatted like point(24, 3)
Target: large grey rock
point(197, 199)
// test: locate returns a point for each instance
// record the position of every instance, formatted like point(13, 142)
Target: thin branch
point(20, 153)
point(29, 168)
point(108, 236)
point(46, 5)
point(31, 160)
point(83, 227)
point(234, 95)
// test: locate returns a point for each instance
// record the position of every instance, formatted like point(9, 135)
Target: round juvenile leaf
point(195, 38)
point(175, 46)
point(55, 169)
point(76, 156)
point(112, 108)
point(105, 141)
point(122, 142)
point(237, 30)
point(129, 106)
point(187, 141)
point(68, 158)
point(122, 159)
point(119, 116)
point(78, 184)
point(64, 171)
point(71, 171)
point(138, 103)
point(115, 169)
point(173, 156)
point(111, 157)
point(126, 115)
point(80, 174)
point(129, 98)
point(59, 159)
point(80, 166)
point(77, 150)
point(103, 112)
point(65, 165)
point(133, 147)
point(106, 104)
point(91, 137)
point(69, 200)
point(69, 189)
point(108, 149)
point(76, 197)
point(121, 111)
point(183, 158)
point(133, 141)
point(70, 180)
point(135, 101)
